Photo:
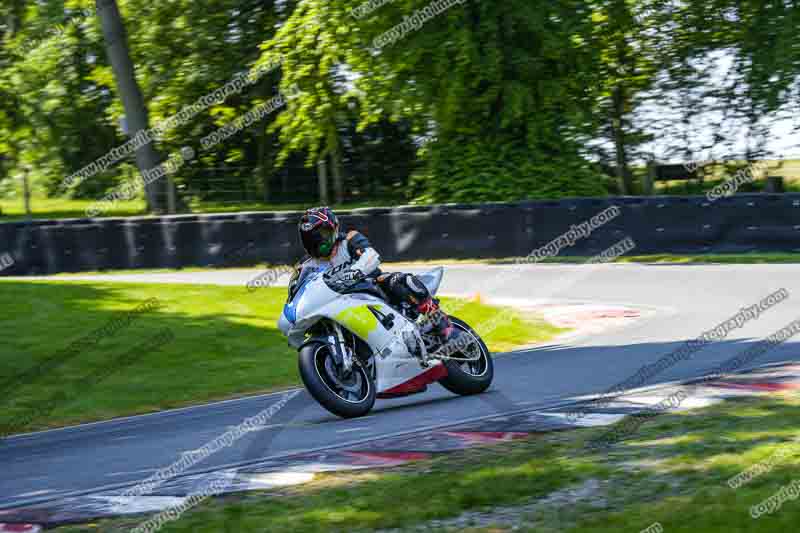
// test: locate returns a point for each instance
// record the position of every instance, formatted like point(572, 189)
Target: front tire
point(348, 396)
point(468, 377)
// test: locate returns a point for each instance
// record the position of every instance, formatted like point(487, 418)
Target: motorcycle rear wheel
point(468, 377)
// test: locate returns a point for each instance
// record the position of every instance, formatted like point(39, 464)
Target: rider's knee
point(405, 287)
point(416, 288)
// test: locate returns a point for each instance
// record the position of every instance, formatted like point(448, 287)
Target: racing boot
point(435, 321)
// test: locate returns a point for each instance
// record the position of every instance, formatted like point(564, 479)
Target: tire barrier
point(658, 224)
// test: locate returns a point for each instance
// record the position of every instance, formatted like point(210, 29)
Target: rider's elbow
point(371, 260)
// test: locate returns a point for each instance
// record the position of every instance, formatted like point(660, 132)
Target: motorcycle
point(354, 347)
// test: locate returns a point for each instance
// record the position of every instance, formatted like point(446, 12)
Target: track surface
point(685, 301)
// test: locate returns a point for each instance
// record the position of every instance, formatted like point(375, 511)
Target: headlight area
point(299, 330)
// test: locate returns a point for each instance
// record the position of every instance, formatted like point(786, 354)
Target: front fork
point(342, 353)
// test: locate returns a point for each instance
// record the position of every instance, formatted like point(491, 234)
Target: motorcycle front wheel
point(345, 394)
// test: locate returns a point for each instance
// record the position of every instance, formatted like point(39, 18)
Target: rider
point(326, 245)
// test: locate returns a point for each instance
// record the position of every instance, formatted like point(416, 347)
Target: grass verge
point(13, 209)
point(224, 342)
point(673, 471)
point(56, 208)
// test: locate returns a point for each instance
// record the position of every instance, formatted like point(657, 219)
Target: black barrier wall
point(659, 224)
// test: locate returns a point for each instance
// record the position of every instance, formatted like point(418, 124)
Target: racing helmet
point(318, 229)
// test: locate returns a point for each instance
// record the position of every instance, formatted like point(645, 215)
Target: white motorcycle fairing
point(387, 332)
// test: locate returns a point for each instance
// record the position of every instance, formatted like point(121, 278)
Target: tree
point(185, 50)
point(315, 45)
point(135, 110)
point(624, 39)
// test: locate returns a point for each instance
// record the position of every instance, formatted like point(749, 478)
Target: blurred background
point(482, 101)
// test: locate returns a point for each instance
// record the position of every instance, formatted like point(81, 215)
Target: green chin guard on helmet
point(327, 242)
point(326, 247)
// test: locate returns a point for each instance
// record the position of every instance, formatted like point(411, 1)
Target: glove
point(353, 275)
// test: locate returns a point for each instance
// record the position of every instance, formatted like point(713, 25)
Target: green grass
point(674, 471)
point(225, 344)
point(693, 455)
point(45, 208)
point(789, 169)
point(12, 209)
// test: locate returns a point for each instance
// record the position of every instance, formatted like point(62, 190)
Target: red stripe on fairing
point(419, 381)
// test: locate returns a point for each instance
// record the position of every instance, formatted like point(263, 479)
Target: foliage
point(521, 98)
point(473, 171)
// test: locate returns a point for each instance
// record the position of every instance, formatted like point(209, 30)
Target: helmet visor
point(318, 241)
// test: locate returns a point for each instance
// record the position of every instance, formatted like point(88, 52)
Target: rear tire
point(468, 377)
point(315, 372)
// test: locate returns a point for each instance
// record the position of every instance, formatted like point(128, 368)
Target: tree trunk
point(26, 191)
point(285, 179)
point(264, 169)
point(649, 178)
point(322, 174)
point(618, 114)
point(335, 149)
point(131, 95)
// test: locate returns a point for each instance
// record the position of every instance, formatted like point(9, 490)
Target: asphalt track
point(682, 302)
